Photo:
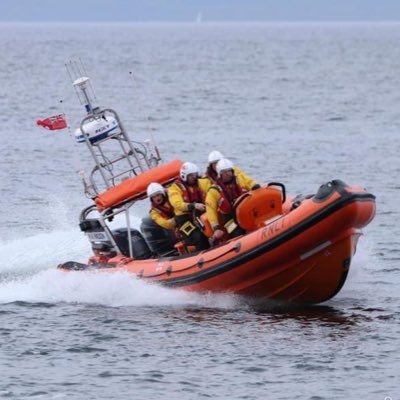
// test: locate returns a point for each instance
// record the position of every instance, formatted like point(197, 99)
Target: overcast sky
point(188, 10)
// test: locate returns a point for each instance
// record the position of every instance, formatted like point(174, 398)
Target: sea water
point(296, 103)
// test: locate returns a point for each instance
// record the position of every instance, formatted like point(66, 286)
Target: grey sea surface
point(296, 103)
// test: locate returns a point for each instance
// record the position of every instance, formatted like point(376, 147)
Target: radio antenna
point(82, 85)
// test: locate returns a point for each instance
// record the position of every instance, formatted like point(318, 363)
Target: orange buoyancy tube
point(137, 185)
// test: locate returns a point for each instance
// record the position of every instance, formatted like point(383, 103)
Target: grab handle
point(282, 186)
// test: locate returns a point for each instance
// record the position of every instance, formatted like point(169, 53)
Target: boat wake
point(28, 273)
point(109, 289)
point(27, 256)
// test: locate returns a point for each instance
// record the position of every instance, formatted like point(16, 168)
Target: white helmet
point(214, 156)
point(187, 169)
point(155, 188)
point(223, 165)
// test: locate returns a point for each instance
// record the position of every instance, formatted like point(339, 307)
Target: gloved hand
point(218, 234)
point(199, 207)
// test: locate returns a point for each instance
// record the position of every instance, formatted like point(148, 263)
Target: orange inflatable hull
point(303, 255)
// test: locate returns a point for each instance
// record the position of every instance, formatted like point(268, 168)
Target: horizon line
point(209, 22)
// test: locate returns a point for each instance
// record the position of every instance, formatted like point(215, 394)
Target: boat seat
point(255, 207)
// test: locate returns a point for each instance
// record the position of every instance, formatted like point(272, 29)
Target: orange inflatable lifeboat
point(297, 249)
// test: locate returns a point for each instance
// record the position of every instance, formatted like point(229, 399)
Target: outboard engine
point(101, 243)
point(161, 241)
point(140, 249)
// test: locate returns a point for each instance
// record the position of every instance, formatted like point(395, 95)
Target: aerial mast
point(116, 157)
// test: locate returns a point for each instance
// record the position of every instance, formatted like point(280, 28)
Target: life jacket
point(189, 196)
point(211, 174)
point(165, 211)
point(229, 193)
